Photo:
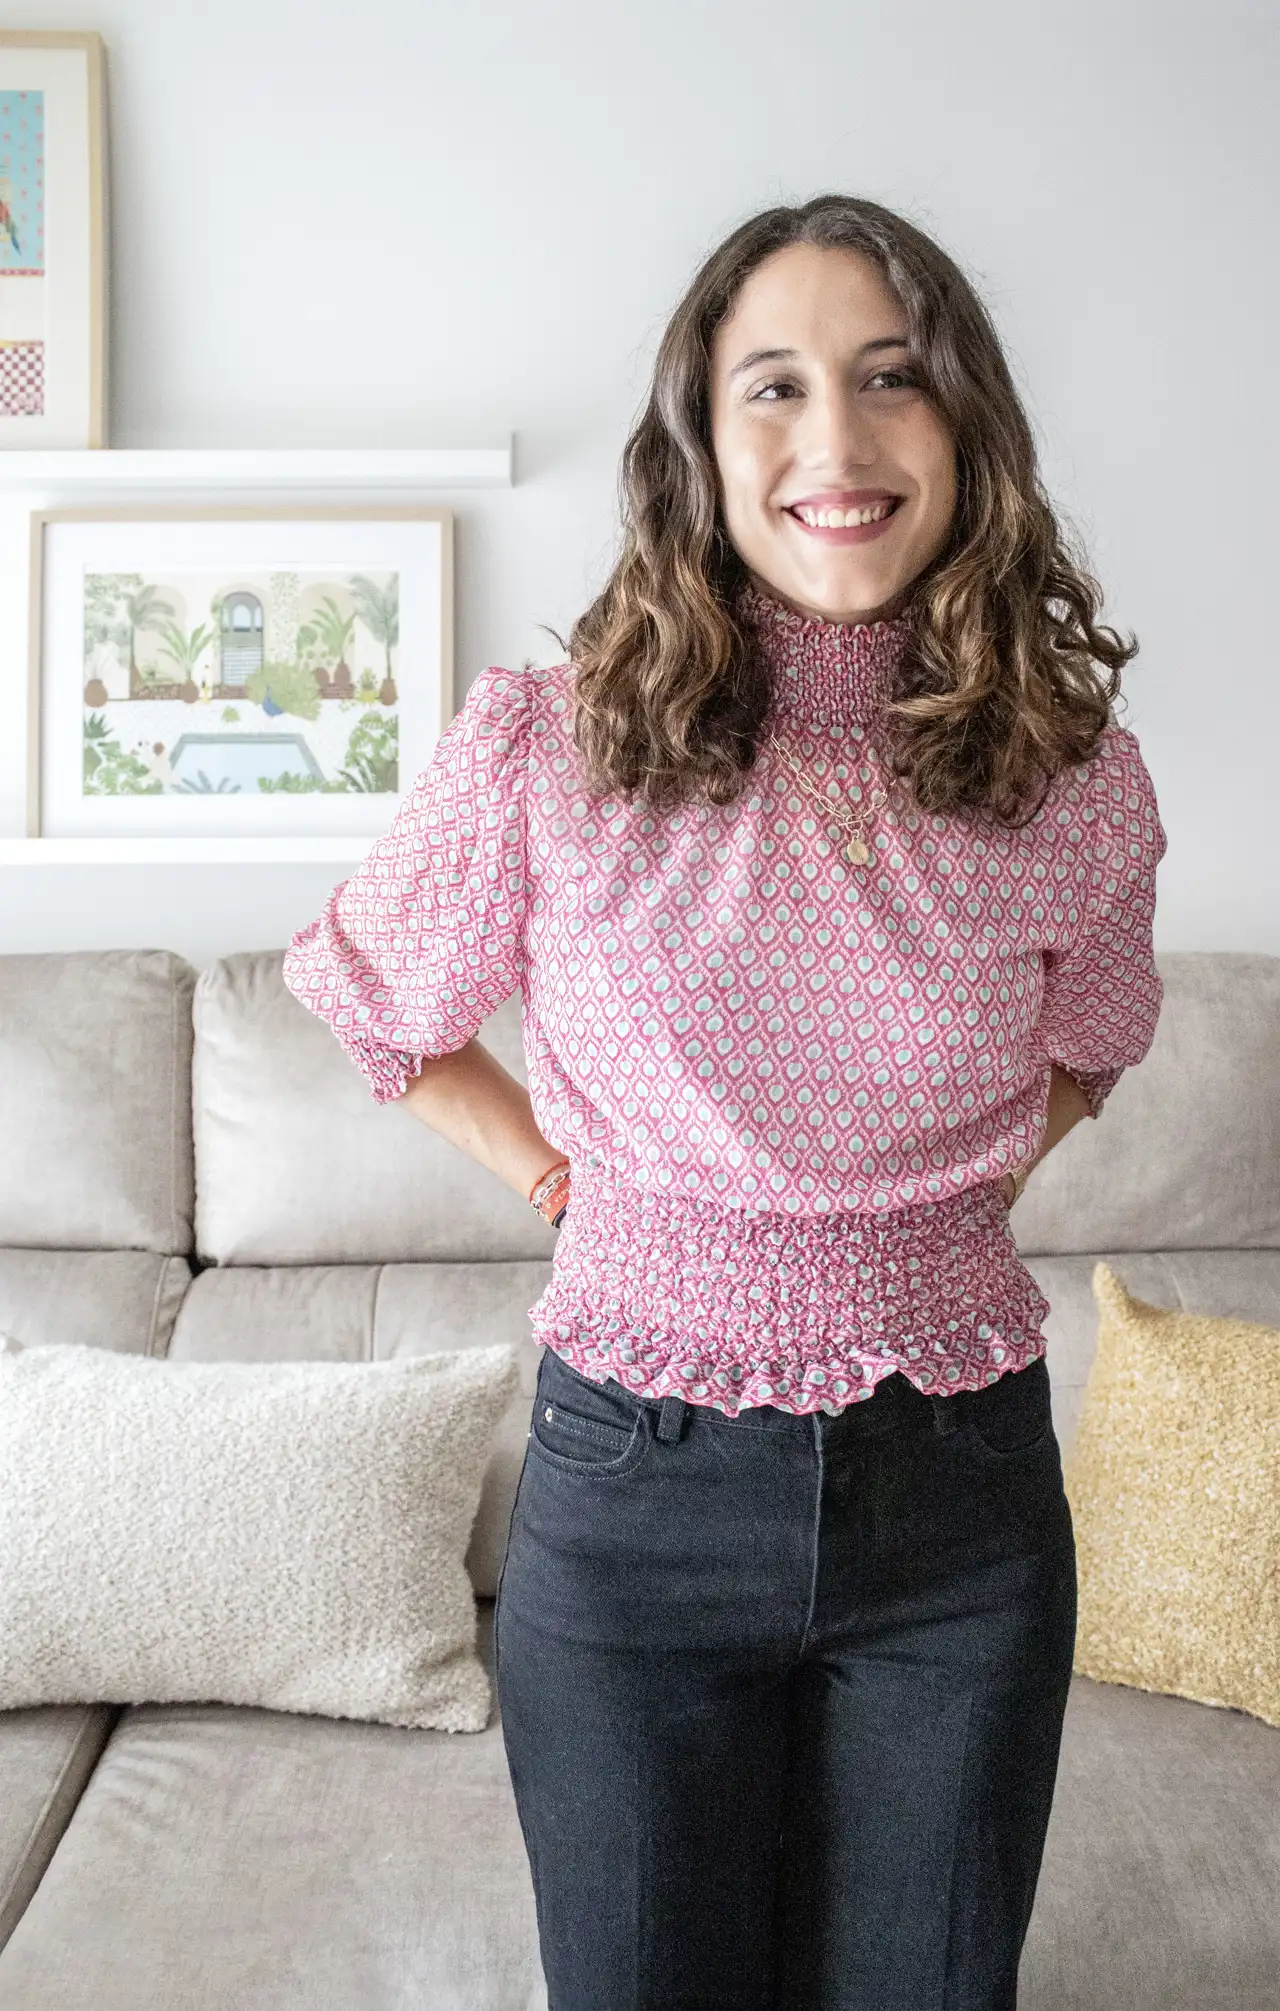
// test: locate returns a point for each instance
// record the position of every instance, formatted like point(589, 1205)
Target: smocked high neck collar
point(824, 671)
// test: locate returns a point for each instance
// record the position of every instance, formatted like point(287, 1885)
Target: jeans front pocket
point(1011, 1415)
point(587, 1428)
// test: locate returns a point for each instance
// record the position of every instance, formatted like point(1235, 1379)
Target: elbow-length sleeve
point(1102, 995)
point(426, 938)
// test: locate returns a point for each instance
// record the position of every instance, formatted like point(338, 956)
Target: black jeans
point(782, 1696)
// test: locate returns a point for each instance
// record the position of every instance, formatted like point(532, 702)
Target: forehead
point(812, 299)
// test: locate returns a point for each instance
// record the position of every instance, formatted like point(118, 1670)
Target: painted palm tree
point(379, 609)
point(183, 650)
point(334, 631)
point(146, 611)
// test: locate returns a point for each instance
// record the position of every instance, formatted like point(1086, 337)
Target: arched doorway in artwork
point(240, 629)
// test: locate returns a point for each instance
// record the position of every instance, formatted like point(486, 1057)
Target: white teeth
point(838, 520)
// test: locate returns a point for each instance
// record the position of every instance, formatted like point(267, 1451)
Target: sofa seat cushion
point(126, 1300)
point(225, 1858)
point(46, 1756)
point(1162, 1862)
point(95, 1101)
point(222, 1858)
point(372, 1312)
point(1232, 1284)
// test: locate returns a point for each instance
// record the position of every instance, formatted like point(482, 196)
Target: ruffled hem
point(801, 1387)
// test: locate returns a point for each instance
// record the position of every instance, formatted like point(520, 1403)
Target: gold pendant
point(857, 851)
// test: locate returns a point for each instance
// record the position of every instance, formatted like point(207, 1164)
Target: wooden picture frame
point(53, 310)
point(203, 673)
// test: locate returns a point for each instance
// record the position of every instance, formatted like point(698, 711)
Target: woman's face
point(815, 409)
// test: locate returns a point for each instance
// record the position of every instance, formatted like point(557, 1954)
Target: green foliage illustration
point(331, 629)
point(301, 785)
point(379, 610)
point(373, 751)
point(183, 649)
point(108, 770)
point(146, 611)
point(104, 616)
point(200, 785)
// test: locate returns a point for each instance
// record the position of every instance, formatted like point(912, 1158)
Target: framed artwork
point(235, 672)
point(52, 241)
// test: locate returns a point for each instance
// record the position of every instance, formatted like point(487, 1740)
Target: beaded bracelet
point(549, 1194)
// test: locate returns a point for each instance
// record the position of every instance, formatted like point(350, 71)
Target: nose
point(836, 433)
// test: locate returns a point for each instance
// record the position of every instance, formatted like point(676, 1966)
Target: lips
point(844, 512)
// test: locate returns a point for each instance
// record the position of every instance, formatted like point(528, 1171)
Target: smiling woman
point(826, 878)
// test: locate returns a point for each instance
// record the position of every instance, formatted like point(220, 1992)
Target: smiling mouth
point(841, 520)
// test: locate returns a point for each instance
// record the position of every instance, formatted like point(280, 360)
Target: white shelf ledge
point(185, 851)
point(254, 467)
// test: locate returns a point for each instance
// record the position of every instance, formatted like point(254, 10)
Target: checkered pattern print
point(787, 1085)
point(21, 380)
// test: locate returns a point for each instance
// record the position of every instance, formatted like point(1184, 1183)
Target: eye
point(905, 379)
point(771, 393)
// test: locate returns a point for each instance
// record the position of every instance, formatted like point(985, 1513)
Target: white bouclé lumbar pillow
point(289, 1535)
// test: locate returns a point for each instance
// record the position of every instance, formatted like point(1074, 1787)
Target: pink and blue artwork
point(22, 184)
point(22, 280)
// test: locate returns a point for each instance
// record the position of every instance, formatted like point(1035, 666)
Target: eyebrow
point(787, 355)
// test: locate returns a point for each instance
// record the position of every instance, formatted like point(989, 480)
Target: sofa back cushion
point(95, 1108)
point(1186, 1153)
point(296, 1163)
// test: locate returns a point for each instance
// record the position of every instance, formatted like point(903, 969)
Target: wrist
point(549, 1194)
point(1012, 1184)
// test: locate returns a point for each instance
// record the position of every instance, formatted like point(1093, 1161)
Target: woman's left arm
point(1067, 1105)
point(1102, 993)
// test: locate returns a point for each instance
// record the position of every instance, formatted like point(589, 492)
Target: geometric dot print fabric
point(787, 1085)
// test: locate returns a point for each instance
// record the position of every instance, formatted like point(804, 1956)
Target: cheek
point(744, 471)
point(944, 475)
point(939, 482)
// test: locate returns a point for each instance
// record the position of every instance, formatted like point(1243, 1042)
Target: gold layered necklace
point(853, 819)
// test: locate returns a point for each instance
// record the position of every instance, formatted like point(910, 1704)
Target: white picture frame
point(53, 259)
point(176, 644)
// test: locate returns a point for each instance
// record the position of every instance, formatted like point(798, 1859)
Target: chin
point(842, 599)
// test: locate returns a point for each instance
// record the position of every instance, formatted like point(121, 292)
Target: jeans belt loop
point(671, 1419)
point(944, 1413)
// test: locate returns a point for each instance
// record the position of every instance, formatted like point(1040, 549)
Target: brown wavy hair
point(1007, 678)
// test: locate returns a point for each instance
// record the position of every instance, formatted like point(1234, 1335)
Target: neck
point(824, 671)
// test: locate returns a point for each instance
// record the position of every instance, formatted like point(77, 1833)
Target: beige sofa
point(201, 1858)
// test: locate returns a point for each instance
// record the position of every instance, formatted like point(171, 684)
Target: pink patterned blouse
point(787, 1086)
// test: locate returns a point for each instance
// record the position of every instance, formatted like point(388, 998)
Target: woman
point(828, 878)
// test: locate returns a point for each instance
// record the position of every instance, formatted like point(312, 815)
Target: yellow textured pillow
point(1174, 1485)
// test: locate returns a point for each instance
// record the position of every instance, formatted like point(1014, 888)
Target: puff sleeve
point(1102, 994)
point(419, 945)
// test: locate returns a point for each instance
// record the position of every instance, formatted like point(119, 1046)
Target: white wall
point(400, 222)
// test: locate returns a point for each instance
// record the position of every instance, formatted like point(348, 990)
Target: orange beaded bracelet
point(550, 1193)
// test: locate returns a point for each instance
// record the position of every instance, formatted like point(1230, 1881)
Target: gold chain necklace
point(852, 817)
